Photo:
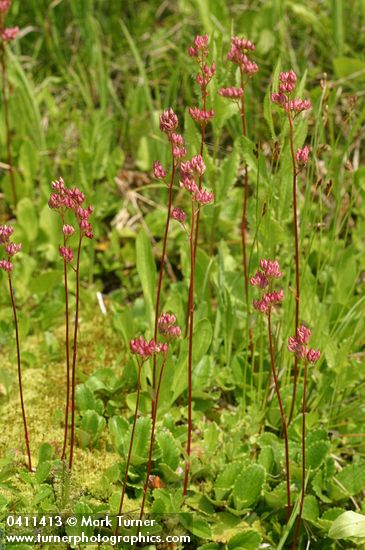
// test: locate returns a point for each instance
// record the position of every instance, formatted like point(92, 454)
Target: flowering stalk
point(163, 348)
point(168, 124)
point(140, 363)
point(7, 35)
point(238, 54)
point(298, 345)
point(199, 51)
point(190, 355)
point(6, 265)
point(65, 200)
point(263, 279)
point(292, 107)
point(189, 173)
point(67, 230)
point(74, 355)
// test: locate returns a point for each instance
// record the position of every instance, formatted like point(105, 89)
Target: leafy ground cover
point(88, 81)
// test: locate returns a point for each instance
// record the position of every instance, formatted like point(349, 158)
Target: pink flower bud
point(179, 215)
point(9, 34)
point(11, 249)
point(168, 121)
point(158, 170)
point(5, 6)
point(6, 266)
point(68, 230)
point(231, 93)
point(203, 196)
point(302, 155)
point(66, 253)
point(6, 232)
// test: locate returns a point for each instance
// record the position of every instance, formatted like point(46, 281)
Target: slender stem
point(26, 435)
point(202, 141)
point(190, 355)
point(162, 265)
point(296, 240)
point(6, 120)
point(74, 355)
point(67, 345)
point(282, 414)
point(154, 418)
point(130, 445)
point(304, 411)
point(245, 196)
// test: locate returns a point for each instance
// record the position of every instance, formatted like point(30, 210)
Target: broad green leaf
point(169, 448)
point(316, 453)
point(310, 508)
point(147, 273)
point(27, 218)
point(348, 525)
point(248, 486)
point(249, 540)
point(225, 480)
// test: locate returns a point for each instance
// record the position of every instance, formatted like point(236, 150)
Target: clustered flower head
point(167, 326)
point(63, 198)
point(263, 278)
point(231, 93)
point(199, 51)
point(302, 155)
point(298, 345)
point(168, 124)
point(7, 34)
point(287, 84)
point(179, 215)
point(158, 170)
point(145, 349)
point(238, 54)
point(10, 248)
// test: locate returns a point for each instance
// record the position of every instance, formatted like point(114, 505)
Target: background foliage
point(89, 79)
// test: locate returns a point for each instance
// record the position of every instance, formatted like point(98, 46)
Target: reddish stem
point(6, 120)
point(67, 344)
point(282, 414)
point(74, 355)
point(304, 411)
point(130, 445)
point(190, 355)
point(20, 373)
point(296, 239)
point(204, 96)
point(162, 265)
point(154, 419)
point(245, 196)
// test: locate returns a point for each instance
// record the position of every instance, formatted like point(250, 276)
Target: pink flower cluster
point(263, 278)
point(302, 155)
point(167, 326)
point(287, 84)
point(5, 6)
point(298, 345)
point(179, 215)
point(158, 170)
point(66, 253)
point(7, 34)
point(168, 123)
point(200, 45)
point(231, 93)
point(10, 248)
point(145, 349)
point(62, 198)
point(200, 51)
point(189, 171)
point(200, 115)
point(240, 47)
